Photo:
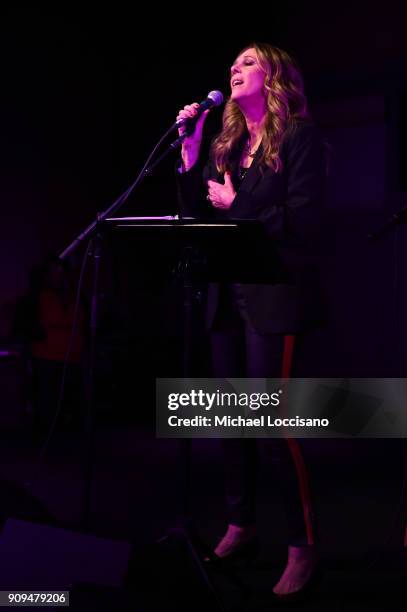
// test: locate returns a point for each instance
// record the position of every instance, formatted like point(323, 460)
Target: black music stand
point(206, 251)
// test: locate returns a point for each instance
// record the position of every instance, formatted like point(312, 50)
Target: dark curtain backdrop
point(85, 96)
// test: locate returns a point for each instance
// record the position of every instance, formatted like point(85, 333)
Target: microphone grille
point(216, 97)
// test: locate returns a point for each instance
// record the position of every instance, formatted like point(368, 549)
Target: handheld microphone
point(214, 98)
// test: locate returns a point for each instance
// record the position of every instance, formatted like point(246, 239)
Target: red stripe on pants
point(302, 474)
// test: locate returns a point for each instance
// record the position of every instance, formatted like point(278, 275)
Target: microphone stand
point(94, 232)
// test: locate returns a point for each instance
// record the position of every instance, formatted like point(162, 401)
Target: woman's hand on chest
point(221, 196)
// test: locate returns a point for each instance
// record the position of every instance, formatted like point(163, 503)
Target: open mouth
point(237, 82)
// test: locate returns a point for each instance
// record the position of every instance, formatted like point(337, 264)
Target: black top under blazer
point(289, 205)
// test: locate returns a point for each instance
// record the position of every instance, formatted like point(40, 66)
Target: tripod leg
point(202, 571)
point(181, 535)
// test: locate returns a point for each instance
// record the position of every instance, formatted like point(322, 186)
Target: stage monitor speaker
point(36, 556)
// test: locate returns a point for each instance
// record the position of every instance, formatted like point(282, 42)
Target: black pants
point(239, 351)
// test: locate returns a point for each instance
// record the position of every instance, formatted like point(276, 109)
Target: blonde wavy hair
point(286, 104)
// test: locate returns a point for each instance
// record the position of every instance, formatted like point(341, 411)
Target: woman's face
point(247, 77)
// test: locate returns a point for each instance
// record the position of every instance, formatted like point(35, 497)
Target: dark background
point(85, 95)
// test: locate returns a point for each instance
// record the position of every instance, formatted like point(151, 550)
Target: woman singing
point(266, 164)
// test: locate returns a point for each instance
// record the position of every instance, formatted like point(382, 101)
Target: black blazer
point(289, 205)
